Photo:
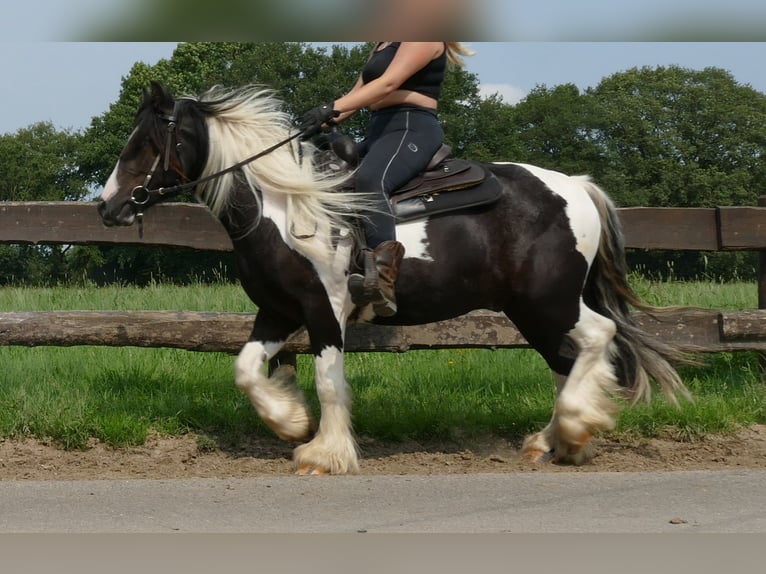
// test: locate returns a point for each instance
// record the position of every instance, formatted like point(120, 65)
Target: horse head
point(167, 147)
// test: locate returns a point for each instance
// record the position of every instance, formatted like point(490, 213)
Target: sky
point(69, 83)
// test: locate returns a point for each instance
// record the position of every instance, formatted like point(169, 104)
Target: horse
point(548, 253)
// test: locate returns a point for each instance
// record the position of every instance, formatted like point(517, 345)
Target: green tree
point(39, 163)
point(554, 129)
point(671, 136)
point(495, 135)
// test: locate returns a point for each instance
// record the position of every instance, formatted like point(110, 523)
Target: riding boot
point(377, 285)
point(363, 286)
point(388, 256)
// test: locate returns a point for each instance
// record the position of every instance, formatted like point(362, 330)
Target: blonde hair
point(454, 52)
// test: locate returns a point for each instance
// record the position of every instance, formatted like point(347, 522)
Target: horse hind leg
point(538, 447)
point(276, 398)
point(584, 404)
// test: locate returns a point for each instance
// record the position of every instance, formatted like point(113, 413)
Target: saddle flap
point(472, 187)
point(449, 175)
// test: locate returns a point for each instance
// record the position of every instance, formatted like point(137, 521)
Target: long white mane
point(244, 121)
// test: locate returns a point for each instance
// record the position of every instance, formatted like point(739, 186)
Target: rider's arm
point(410, 57)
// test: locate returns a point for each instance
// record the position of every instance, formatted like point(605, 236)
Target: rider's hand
point(312, 121)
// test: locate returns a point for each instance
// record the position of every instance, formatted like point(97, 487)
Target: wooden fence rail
point(699, 331)
point(191, 225)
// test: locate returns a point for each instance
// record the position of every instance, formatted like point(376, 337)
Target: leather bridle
point(142, 195)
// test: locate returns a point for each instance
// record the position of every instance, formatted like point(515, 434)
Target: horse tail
point(638, 356)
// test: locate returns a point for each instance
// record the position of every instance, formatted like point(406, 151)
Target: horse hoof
point(311, 470)
point(536, 448)
point(576, 453)
point(537, 456)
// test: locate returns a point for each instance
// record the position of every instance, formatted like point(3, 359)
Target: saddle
point(447, 184)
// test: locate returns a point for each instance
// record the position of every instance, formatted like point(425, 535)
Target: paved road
point(719, 502)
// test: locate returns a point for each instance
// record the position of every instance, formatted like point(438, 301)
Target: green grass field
point(120, 395)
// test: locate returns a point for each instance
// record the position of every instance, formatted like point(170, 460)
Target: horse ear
point(159, 97)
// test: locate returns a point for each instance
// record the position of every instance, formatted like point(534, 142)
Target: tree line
point(651, 136)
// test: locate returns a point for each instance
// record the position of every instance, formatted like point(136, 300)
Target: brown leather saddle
point(447, 184)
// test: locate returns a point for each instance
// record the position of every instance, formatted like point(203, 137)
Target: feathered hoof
point(536, 449)
point(314, 458)
point(311, 470)
point(576, 453)
point(537, 456)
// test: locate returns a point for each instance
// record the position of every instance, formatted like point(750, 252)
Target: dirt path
point(168, 458)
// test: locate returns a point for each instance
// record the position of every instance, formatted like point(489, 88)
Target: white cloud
point(509, 93)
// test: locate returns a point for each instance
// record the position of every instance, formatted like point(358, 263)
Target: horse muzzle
point(123, 215)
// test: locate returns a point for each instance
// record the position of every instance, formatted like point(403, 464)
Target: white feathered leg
point(333, 449)
point(584, 404)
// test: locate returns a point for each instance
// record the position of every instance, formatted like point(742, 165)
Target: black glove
point(312, 121)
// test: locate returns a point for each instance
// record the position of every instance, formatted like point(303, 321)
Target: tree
point(553, 127)
point(39, 163)
point(670, 136)
point(677, 137)
point(494, 132)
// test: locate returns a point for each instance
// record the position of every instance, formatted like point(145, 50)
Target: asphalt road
point(710, 502)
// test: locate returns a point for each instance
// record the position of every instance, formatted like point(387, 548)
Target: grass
point(71, 396)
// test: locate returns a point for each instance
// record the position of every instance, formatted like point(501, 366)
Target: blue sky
point(69, 83)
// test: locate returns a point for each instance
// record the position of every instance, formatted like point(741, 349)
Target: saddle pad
point(426, 204)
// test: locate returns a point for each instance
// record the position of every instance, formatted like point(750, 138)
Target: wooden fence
point(190, 225)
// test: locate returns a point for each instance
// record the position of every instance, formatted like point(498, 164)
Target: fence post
point(762, 288)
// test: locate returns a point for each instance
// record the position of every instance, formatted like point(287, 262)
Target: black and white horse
point(548, 253)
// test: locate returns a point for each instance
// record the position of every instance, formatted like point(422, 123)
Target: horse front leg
point(333, 449)
point(275, 396)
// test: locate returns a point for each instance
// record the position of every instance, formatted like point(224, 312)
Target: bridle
point(141, 195)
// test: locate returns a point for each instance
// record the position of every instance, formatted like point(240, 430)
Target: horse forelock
point(242, 122)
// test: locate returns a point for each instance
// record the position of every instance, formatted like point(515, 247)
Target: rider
point(400, 83)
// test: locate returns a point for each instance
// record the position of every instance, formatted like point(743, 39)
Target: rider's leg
point(399, 145)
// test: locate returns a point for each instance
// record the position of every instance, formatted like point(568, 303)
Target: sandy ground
point(169, 458)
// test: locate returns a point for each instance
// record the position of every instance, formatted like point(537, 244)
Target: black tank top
point(427, 81)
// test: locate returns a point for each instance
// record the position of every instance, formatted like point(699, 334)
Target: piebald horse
point(548, 253)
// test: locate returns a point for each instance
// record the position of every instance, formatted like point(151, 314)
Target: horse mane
point(243, 121)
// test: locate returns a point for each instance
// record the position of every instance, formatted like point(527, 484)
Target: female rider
point(400, 83)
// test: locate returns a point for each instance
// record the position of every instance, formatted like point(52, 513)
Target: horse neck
point(245, 212)
point(241, 213)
